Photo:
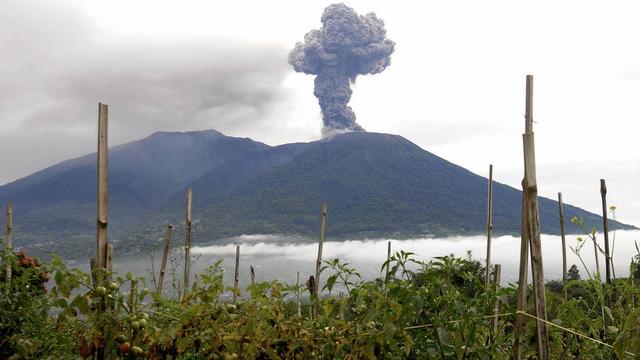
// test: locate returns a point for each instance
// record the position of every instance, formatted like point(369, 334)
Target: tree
point(573, 273)
point(554, 286)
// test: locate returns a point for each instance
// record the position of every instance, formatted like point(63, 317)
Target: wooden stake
point(521, 302)
point(93, 264)
point(236, 277)
point(132, 296)
point(489, 223)
point(564, 245)
point(102, 199)
point(187, 241)
point(605, 230)
point(496, 309)
point(299, 300)
point(109, 257)
point(253, 275)
point(311, 285)
point(595, 254)
point(9, 238)
point(103, 188)
point(533, 226)
point(320, 243)
point(388, 257)
point(165, 256)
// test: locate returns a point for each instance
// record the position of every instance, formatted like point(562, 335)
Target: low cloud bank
point(368, 255)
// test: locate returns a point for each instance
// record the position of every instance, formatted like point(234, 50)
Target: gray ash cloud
point(346, 46)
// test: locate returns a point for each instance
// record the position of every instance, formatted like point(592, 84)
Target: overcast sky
point(455, 85)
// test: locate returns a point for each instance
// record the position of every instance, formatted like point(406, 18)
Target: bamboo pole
point(320, 244)
point(605, 230)
point(595, 254)
point(311, 285)
point(109, 265)
point(496, 308)
point(521, 301)
point(533, 226)
point(9, 239)
point(133, 301)
point(92, 265)
point(489, 223)
point(236, 276)
point(388, 257)
point(165, 256)
point(103, 188)
point(102, 157)
point(253, 275)
point(187, 241)
point(564, 245)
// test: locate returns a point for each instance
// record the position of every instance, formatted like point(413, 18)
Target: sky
point(455, 85)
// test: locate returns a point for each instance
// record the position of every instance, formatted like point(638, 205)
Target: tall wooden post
point(187, 241)
point(236, 276)
point(102, 200)
point(9, 239)
point(489, 223)
point(165, 256)
point(605, 230)
point(521, 301)
point(564, 245)
point(532, 230)
point(103, 190)
point(320, 244)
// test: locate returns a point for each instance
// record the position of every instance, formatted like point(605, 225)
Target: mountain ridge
point(376, 185)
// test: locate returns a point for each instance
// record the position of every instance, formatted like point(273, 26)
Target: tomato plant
point(417, 309)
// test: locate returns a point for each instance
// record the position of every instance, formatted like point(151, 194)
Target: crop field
point(441, 309)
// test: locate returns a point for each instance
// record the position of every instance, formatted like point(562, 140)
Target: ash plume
point(347, 45)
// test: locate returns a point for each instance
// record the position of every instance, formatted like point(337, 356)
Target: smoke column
point(346, 46)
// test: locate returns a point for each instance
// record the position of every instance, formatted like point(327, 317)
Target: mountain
point(55, 208)
point(375, 185)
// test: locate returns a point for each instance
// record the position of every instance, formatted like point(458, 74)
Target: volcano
point(376, 185)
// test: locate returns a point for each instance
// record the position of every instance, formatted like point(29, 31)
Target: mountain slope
point(375, 185)
point(56, 207)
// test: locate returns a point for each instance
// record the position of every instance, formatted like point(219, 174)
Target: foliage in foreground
point(436, 309)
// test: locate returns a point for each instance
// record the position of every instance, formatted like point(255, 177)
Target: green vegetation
point(376, 186)
point(416, 309)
